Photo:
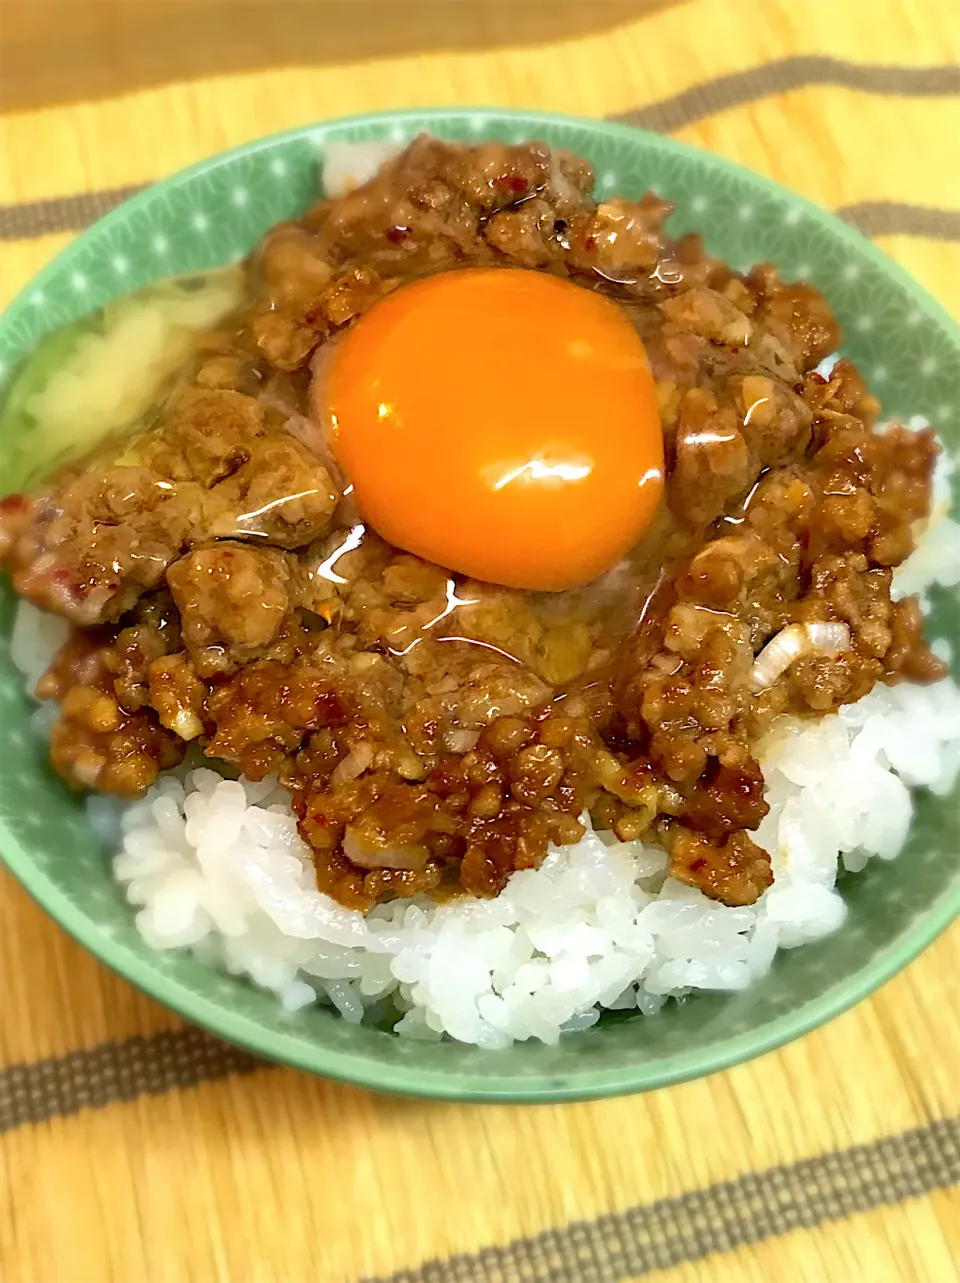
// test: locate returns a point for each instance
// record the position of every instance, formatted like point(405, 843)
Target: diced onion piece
point(562, 185)
point(460, 741)
point(369, 856)
point(185, 723)
point(354, 764)
point(790, 644)
point(829, 639)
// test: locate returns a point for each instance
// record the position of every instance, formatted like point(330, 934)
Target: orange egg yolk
point(500, 422)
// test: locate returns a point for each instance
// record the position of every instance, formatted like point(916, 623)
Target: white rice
point(937, 557)
point(349, 165)
point(35, 639)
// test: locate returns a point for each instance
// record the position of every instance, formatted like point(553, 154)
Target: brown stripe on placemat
point(896, 218)
point(60, 213)
point(740, 87)
point(94, 1077)
point(651, 1236)
point(72, 213)
point(720, 1218)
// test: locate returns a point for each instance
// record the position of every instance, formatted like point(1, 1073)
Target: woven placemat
point(136, 1149)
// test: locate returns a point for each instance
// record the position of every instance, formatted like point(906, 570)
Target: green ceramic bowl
point(910, 351)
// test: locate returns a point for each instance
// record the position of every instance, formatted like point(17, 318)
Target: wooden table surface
point(135, 1150)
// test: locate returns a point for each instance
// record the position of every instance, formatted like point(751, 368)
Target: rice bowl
point(527, 978)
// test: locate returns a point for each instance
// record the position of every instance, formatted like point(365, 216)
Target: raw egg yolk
point(500, 422)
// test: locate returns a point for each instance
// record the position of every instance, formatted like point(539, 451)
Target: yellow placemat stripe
point(63, 997)
point(934, 264)
point(21, 260)
point(135, 138)
point(819, 142)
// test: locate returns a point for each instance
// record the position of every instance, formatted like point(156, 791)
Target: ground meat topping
point(436, 733)
point(233, 601)
point(215, 467)
point(97, 744)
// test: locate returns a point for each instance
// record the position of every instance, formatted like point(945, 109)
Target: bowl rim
point(457, 1085)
